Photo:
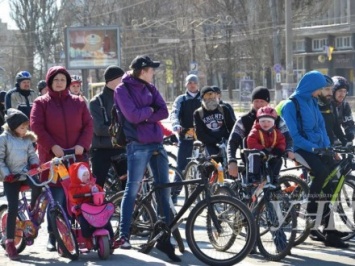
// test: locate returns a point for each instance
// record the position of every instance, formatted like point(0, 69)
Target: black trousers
point(12, 195)
point(321, 167)
point(101, 163)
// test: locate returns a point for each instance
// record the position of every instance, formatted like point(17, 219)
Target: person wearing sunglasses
point(21, 97)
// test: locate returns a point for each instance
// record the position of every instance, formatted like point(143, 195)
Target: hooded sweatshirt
point(312, 119)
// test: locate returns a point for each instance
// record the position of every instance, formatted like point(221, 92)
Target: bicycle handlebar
point(82, 195)
point(43, 167)
point(334, 149)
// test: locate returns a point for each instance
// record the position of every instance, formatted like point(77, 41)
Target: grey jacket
point(16, 154)
point(101, 138)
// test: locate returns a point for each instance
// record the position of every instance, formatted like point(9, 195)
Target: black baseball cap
point(142, 61)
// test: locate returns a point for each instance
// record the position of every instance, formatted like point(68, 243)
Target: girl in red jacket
point(265, 137)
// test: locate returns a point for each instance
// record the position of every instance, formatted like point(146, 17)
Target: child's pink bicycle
point(98, 215)
point(29, 221)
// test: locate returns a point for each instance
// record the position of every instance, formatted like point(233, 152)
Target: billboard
point(246, 87)
point(92, 47)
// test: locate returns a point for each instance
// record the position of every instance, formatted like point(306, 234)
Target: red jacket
point(77, 187)
point(59, 118)
point(272, 139)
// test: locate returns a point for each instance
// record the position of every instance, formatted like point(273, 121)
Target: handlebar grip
point(69, 151)
point(82, 195)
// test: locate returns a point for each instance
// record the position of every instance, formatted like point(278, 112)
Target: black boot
point(51, 242)
point(166, 247)
point(332, 239)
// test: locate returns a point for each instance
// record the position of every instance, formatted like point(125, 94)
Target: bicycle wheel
point(345, 210)
point(174, 172)
point(112, 182)
point(66, 239)
point(236, 221)
point(297, 190)
point(2, 192)
point(192, 172)
point(20, 242)
point(103, 247)
point(172, 158)
point(221, 245)
point(142, 224)
point(275, 237)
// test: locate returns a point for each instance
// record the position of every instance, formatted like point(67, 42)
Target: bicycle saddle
point(301, 160)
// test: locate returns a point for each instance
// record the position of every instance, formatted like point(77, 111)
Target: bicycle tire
point(142, 224)
point(345, 208)
point(265, 215)
point(63, 233)
point(103, 245)
point(178, 238)
point(172, 158)
point(226, 191)
point(191, 172)
point(348, 221)
point(2, 192)
point(241, 219)
point(20, 242)
point(173, 171)
point(297, 190)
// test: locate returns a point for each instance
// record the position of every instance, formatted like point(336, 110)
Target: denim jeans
point(138, 156)
point(58, 196)
point(184, 152)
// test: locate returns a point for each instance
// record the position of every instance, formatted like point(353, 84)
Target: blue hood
point(310, 82)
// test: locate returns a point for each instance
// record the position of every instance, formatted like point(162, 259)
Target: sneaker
point(51, 242)
point(11, 250)
point(333, 240)
point(167, 248)
point(123, 243)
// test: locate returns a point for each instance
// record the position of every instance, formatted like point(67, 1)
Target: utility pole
point(276, 45)
point(85, 72)
point(289, 42)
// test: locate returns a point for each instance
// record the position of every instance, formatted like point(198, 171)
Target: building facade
point(326, 43)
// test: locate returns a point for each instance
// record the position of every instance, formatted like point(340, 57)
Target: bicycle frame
point(202, 186)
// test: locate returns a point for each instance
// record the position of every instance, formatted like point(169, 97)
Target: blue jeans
point(138, 156)
point(58, 196)
point(184, 152)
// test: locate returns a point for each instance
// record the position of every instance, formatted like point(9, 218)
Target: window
point(318, 44)
point(299, 46)
point(343, 42)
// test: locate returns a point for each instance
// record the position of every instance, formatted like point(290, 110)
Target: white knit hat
point(81, 171)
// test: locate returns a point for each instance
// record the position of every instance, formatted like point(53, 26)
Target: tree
point(38, 22)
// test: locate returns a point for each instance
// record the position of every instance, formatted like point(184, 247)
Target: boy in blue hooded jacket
point(310, 133)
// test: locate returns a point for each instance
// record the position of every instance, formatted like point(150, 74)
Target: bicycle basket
point(97, 216)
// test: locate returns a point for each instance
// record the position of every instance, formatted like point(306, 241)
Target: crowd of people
point(60, 119)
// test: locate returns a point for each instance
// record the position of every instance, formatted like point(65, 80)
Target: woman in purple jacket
point(143, 107)
point(61, 121)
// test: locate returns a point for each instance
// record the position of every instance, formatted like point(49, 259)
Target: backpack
point(118, 138)
point(298, 116)
point(201, 112)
